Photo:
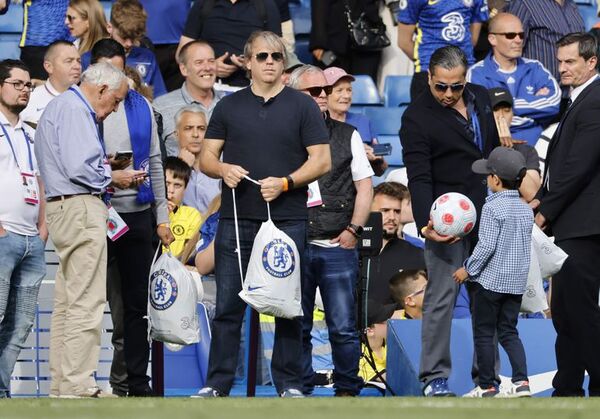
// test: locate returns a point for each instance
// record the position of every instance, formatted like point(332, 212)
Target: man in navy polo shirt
point(266, 132)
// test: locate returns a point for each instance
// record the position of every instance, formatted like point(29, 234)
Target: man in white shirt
point(339, 205)
point(63, 65)
point(22, 227)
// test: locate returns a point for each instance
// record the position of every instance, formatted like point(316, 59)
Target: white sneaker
point(479, 392)
point(518, 389)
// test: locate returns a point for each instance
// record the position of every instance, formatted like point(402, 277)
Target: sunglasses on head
point(443, 87)
point(315, 91)
point(261, 57)
point(510, 35)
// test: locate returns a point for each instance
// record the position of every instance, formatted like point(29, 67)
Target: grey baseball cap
point(504, 162)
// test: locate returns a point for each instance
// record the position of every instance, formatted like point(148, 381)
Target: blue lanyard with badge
point(116, 226)
point(30, 185)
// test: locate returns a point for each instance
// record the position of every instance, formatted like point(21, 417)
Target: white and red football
point(453, 214)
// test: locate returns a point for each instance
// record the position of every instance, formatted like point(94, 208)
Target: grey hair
point(191, 109)
point(104, 73)
point(449, 58)
point(294, 81)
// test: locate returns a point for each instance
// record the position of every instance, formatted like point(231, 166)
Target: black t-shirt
point(397, 254)
point(228, 26)
point(532, 159)
point(267, 139)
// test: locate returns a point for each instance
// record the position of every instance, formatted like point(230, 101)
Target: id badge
point(30, 188)
point(115, 226)
point(314, 195)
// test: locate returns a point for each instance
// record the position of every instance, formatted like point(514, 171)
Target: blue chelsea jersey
point(440, 23)
point(44, 22)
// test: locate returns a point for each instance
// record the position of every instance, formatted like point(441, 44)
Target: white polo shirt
point(16, 215)
point(39, 99)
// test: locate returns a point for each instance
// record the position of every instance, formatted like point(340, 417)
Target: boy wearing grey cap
point(497, 270)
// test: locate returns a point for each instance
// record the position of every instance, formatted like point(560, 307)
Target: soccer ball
point(453, 214)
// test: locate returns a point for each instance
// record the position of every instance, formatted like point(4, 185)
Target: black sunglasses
point(315, 91)
point(511, 35)
point(261, 57)
point(443, 87)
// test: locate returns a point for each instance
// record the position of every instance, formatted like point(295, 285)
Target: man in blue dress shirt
point(70, 151)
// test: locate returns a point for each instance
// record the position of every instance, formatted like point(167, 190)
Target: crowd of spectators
point(151, 119)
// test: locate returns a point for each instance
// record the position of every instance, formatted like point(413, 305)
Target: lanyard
point(93, 115)
point(25, 137)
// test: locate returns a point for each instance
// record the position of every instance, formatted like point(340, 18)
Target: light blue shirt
point(68, 148)
point(200, 191)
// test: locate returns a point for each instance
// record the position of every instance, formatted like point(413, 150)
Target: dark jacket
point(438, 154)
point(570, 200)
point(337, 188)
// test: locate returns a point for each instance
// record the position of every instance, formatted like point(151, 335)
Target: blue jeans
point(287, 350)
point(21, 272)
point(334, 271)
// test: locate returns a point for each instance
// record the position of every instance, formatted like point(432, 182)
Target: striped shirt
point(500, 260)
point(544, 23)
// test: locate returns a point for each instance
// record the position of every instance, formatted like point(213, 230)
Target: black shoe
point(343, 393)
point(140, 392)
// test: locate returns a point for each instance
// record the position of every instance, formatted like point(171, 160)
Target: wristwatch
point(355, 229)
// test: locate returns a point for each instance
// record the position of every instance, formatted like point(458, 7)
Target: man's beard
point(389, 235)
point(14, 109)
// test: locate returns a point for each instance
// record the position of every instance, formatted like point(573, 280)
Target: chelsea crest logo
point(278, 259)
point(163, 290)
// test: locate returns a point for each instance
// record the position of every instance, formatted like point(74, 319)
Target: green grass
point(314, 408)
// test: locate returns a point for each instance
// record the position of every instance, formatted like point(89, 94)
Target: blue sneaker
point(207, 393)
point(438, 387)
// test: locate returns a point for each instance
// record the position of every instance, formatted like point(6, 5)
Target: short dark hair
point(6, 66)
point(448, 57)
point(588, 44)
point(107, 48)
point(182, 57)
point(53, 46)
point(401, 284)
point(392, 189)
point(515, 183)
point(180, 169)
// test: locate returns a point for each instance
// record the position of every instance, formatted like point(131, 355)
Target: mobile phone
point(328, 58)
point(123, 155)
point(382, 149)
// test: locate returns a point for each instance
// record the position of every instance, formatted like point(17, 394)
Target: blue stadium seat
point(9, 46)
point(364, 91)
point(386, 124)
point(589, 14)
point(12, 21)
point(300, 14)
point(302, 51)
point(396, 90)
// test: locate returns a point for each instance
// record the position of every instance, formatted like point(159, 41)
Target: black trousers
point(133, 254)
point(418, 84)
point(495, 312)
point(165, 55)
point(576, 317)
point(34, 58)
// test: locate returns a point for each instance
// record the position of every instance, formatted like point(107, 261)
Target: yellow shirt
point(364, 368)
point(184, 224)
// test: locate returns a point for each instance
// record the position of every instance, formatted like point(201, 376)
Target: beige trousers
point(77, 228)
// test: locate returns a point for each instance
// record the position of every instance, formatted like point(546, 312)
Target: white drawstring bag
point(172, 299)
point(534, 299)
point(272, 283)
point(551, 257)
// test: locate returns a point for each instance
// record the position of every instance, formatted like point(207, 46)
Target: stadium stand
point(11, 26)
point(386, 124)
point(364, 91)
point(396, 90)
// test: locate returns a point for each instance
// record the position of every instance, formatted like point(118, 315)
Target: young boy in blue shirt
point(498, 268)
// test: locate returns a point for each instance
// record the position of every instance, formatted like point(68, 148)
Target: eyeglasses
point(315, 91)
point(443, 87)
point(511, 35)
point(19, 85)
point(261, 57)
